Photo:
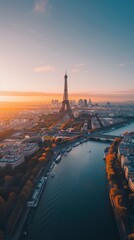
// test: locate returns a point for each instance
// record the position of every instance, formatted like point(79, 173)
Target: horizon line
point(38, 93)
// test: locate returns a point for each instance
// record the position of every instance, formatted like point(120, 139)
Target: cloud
point(46, 68)
point(128, 91)
point(13, 24)
point(40, 6)
point(77, 67)
point(125, 64)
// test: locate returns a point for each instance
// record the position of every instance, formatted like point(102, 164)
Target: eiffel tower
point(65, 108)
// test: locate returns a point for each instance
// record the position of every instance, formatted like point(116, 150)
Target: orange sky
point(116, 96)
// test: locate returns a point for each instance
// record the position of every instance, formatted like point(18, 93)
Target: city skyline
point(92, 41)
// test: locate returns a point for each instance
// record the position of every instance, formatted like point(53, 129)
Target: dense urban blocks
point(33, 138)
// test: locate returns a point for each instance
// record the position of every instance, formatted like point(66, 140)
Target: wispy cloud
point(40, 6)
point(45, 68)
point(125, 64)
point(77, 67)
point(13, 24)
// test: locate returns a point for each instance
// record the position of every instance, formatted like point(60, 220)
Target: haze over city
point(92, 41)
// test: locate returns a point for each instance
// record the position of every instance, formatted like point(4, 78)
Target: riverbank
point(23, 229)
point(70, 199)
point(56, 152)
point(117, 190)
point(63, 146)
point(119, 222)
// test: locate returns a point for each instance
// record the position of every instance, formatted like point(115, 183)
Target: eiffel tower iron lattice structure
point(65, 108)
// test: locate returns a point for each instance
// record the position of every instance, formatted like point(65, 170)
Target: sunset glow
point(93, 42)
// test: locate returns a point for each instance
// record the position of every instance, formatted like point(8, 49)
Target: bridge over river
point(103, 137)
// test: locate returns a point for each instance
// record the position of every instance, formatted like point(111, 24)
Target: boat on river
point(57, 160)
point(51, 167)
point(106, 150)
point(105, 153)
point(33, 202)
point(76, 144)
point(68, 149)
point(83, 140)
point(53, 175)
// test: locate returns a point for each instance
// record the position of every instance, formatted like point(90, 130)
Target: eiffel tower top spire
point(65, 96)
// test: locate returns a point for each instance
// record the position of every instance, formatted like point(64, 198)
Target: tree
point(26, 190)
point(43, 154)
point(22, 197)
point(122, 211)
point(2, 210)
point(113, 192)
point(119, 200)
point(131, 236)
point(8, 178)
point(11, 202)
point(29, 183)
point(111, 176)
point(54, 145)
point(42, 158)
point(12, 196)
point(32, 178)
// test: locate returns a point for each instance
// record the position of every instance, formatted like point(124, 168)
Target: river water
point(120, 131)
point(75, 202)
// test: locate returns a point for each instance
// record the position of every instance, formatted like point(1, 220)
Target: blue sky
point(93, 40)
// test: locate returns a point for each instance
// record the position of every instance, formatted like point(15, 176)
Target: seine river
point(75, 202)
